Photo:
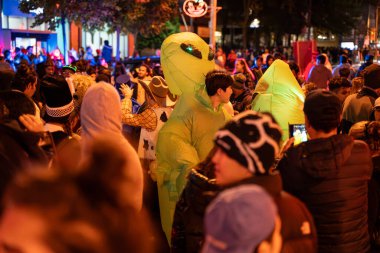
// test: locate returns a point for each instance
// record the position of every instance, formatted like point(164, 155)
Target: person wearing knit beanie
point(248, 143)
point(246, 148)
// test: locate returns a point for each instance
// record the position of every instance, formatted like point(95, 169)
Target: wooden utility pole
point(213, 13)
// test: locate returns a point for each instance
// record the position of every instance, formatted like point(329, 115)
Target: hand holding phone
point(298, 131)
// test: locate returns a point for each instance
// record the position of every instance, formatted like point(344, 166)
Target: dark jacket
point(18, 150)
point(187, 228)
point(331, 177)
point(242, 102)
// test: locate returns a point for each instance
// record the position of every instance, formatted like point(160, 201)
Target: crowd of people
point(191, 155)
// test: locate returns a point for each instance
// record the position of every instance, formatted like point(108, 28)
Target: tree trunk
point(63, 24)
point(118, 31)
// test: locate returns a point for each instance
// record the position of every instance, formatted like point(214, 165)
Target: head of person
point(294, 68)
point(119, 69)
point(13, 104)
point(277, 56)
point(68, 71)
point(270, 59)
point(104, 74)
point(81, 65)
point(25, 80)
point(29, 49)
point(49, 67)
point(144, 71)
point(89, 50)
point(218, 84)
point(58, 98)
point(238, 86)
point(7, 54)
point(323, 113)
point(341, 87)
point(259, 61)
point(321, 59)
point(100, 111)
point(106, 42)
point(343, 58)
point(249, 215)
point(53, 212)
point(241, 66)
point(371, 76)
point(6, 79)
point(357, 84)
point(344, 72)
point(246, 147)
point(91, 71)
point(369, 58)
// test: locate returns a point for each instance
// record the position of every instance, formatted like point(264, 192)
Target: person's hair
point(7, 53)
point(81, 200)
point(323, 117)
point(25, 75)
point(343, 58)
point(321, 58)
point(81, 65)
point(148, 69)
point(104, 74)
point(216, 79)
point(277, 56)
point(48, 63)
point(259, 57)
point(102, 78)
point(119, 69)
point(91, 70)
point(294, 66)
point(246, 68)
point(13, 104)
point(344, 72)
point(106, 42)
point(357, 84)
point(6, 79)
point(269, 57)
point(338, 82)
point(29, 47)
point(87, 48)
point(309, 87)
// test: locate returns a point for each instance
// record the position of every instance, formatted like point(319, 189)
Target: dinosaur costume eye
point(190, 49)
point(211, 54)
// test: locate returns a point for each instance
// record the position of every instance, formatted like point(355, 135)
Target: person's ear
point(307, 122)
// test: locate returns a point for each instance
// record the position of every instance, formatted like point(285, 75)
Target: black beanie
point(252, 139)
point(59, 101)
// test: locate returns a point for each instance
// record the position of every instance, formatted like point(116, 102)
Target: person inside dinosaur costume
point(279, 93)
point(187, 137)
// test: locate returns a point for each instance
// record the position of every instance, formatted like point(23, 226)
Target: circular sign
point(195, 8)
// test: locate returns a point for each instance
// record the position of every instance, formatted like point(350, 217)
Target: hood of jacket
point(101, 111)
point(322, 158)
